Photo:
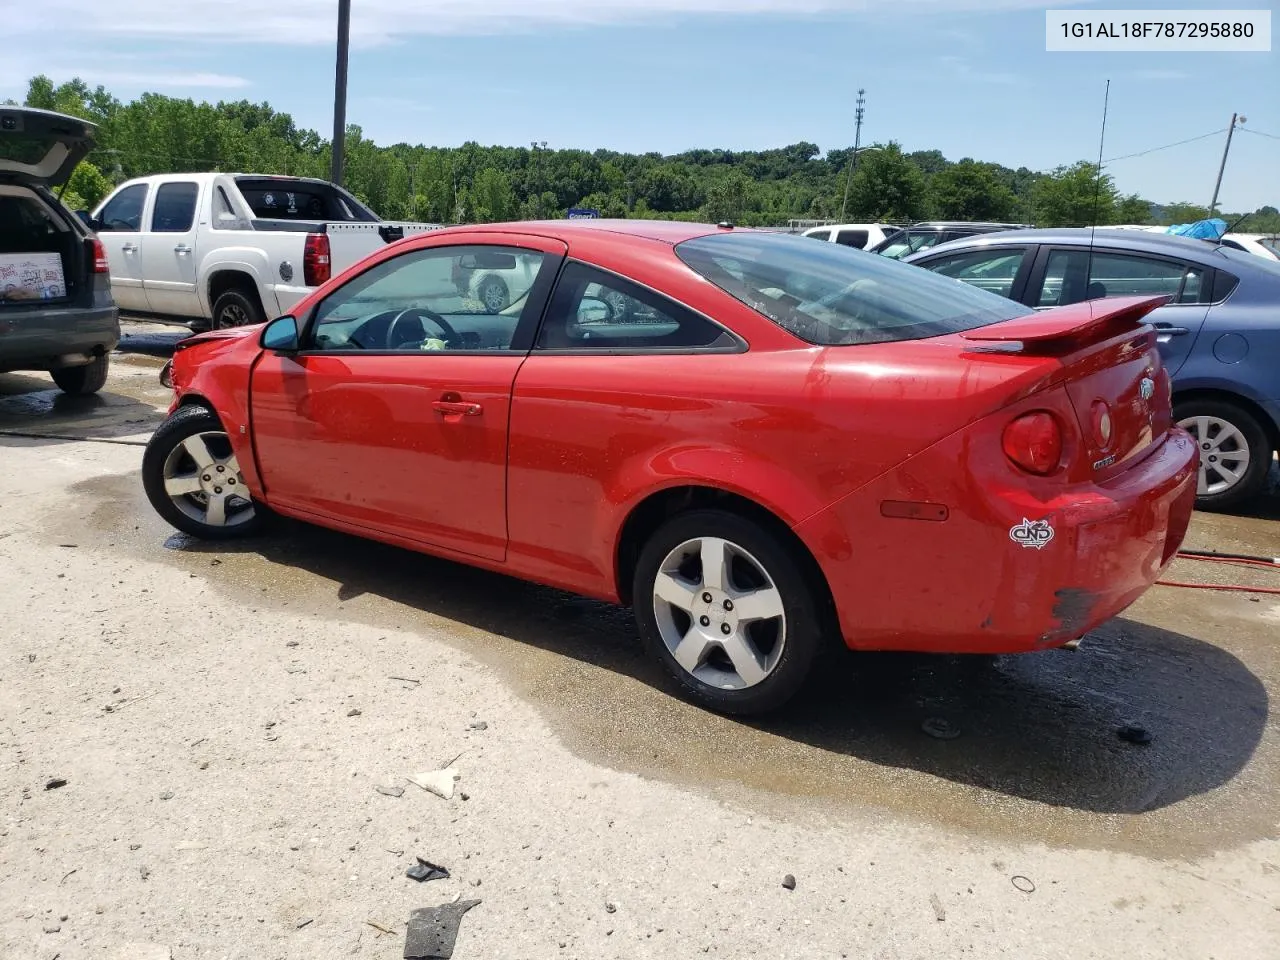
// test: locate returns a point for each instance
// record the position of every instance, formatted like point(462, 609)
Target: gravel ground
point(224, 716)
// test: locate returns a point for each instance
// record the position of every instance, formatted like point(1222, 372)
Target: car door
point(999, 270)
point(119, 226)
point(168, 251)
point(1066, 275)
point(393, 415)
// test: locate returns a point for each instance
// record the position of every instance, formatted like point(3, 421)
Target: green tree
point(86, 187)
point(1132, 209)
point(887, 186)
point(491, 197)
point(728, 198)
point(1074, 196)
point(969, 190)
point(1183, 213)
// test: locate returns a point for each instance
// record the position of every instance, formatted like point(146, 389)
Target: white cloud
point(380, 22)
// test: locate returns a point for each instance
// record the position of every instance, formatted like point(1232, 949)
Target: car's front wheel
point(494, 295)
point(726, 607)
point(193, 479)
point(1235, 453)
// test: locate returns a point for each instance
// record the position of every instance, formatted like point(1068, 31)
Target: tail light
point(1100, 423)
point(1034, 442)
point(316, 268)
point(98, 253)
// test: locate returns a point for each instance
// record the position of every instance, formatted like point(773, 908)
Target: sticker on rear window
point(1032, 534)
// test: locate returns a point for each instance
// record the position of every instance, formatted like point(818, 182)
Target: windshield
point(830, 294)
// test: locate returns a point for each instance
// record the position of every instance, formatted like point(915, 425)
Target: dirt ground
point(224, 714)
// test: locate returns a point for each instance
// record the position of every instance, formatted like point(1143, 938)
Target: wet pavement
point(1037, 758)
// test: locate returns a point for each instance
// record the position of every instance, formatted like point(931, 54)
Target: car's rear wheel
point(236, 308)
point(493, 294)
point(193, 479)
point(725, 606)
point(83, 380)
point(1235, 453)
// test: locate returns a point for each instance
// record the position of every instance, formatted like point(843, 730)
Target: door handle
point(457, 408)
point(182, 248)
point(130, 248)
point(1168, 329)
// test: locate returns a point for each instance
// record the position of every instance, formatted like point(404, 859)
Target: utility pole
point(340, 92)
point(1235, 118)
point(857, 141)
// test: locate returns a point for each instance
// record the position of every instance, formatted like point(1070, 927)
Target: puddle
point(1037, 759)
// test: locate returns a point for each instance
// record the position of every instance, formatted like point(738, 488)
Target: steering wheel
point(450, 334)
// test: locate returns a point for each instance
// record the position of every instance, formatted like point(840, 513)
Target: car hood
point(212, 336)
point(39, 147)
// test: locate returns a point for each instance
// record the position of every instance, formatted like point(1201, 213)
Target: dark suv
point(922, 236)
point(56, 310)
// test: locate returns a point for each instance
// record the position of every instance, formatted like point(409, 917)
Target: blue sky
point(968, 77)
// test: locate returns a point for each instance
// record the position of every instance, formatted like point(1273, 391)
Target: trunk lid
point(41, 147)
point(1111, 370)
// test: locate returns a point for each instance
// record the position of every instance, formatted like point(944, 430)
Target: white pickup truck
point(228, 249)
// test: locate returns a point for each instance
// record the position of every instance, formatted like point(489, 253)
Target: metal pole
point(1222, 166)
point(853, 161)
point(340, 92)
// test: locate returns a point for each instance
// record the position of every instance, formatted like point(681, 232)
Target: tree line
point(474, 183)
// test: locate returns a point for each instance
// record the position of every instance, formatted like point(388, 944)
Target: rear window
point(300, 200)
point(26, 149)
point(832, 295)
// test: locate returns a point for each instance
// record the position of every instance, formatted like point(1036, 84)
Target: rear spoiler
point(1075, 323)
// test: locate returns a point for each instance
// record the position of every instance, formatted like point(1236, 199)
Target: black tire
point(1259, 445)
point(805, 623)
point(502, 298)
point(84, 380)
point(237, 308)
point(186, 422)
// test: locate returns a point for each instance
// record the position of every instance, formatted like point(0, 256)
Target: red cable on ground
point(1239, 559)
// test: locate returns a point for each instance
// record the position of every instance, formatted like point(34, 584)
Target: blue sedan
point(1219, 335)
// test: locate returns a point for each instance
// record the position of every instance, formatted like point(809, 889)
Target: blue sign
point(583, 213)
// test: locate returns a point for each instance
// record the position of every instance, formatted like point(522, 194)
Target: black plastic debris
point(423, 871)
point(55, 783)
point(1134, 735)
point(433, 931)
point(788, 882)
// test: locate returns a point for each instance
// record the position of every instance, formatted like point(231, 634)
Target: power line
point(1143, 153)
point(1271, 136)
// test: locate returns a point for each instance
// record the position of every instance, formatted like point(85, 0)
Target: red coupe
point(761, 443)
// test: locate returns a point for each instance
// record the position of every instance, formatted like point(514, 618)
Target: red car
point(762, 444)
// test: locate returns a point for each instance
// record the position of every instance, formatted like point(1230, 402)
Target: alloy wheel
point(494, 295)
point(719, 613)
point(202, 478)
point(1224, 454)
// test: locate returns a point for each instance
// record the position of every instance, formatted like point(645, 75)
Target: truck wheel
point(493, 294)
point(235, 308)
point(81, 381)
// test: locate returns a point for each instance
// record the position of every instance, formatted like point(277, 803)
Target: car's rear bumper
point(47, 339)
point(970, 584)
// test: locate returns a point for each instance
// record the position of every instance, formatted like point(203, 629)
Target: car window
point(819, 235)
point(913, 241)
point(1116, 275)
point(430, 300)
point(594, 310)
point(828, 294)
point(993, 270)
point(123, 212)
point(852, 238)
point(175, 208)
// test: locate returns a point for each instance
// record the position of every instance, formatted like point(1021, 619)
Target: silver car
point(56, 310)
point(1219, 335)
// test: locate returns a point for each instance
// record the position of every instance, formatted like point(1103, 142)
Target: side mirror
point(89, 220)
point(280, 335)
point(594, 310)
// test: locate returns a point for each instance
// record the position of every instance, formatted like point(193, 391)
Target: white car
point(1255, 243)
point(227, 249)
point(864, 236)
